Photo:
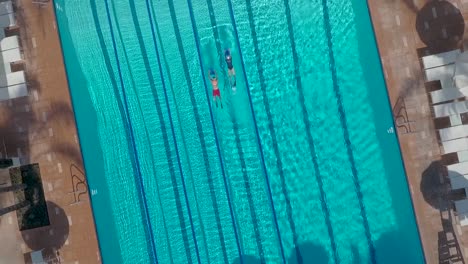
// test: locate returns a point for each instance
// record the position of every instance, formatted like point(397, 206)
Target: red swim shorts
point(216, 93)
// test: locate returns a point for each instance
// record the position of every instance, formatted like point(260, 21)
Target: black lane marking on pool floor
point(155, 31)
point(211, 186)
point(175, 188)
point(336, 88)
point(147, 134)
point(310, 138)
point(253, 213)
point(257, 134)
point(220, 54)
point(266, 103)
point(227, 187)
point(123, 109)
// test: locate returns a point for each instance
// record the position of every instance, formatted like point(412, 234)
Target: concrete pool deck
point(405, 31)
point(41, 129)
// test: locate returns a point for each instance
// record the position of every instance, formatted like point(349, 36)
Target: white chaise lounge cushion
point(440, 59)
point(455, 132)
point(440, 73)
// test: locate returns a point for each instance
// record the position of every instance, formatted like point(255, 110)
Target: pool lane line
point(217, 41)
point(214, 199)
point(215, 133)
point(310, 138)
point(336, 89)
point(175, 189)
point(184, 142)
point(117, 24)
point(279, 163)
point(253, 213)
point(128, 125)
point(257, 133)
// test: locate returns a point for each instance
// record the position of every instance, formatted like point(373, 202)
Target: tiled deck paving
point(401, 45)
point(41, 129)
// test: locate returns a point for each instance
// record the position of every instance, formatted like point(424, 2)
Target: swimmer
point(213, 76)
point(231, 71)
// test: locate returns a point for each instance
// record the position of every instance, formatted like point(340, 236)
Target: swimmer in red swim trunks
point(213, 76)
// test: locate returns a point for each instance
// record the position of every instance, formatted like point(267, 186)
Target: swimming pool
point(300, 165)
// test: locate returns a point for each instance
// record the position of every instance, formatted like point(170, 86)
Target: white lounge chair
point(9, 56)
point(7, 20)
point(440, 73)
point(458, 146)
point(9, 43)
point(455, 132)
point(14, 91)
point(455, 145)
point(18, 90)
point(462, 155)
point(462, 211)
point(460, 168)
point(449, 109)
point(458, 181)
point(448, 92)
point(6, 8)
point(440, 59)
point(15, 78)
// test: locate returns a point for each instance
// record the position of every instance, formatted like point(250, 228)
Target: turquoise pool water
point(301, 164)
